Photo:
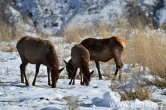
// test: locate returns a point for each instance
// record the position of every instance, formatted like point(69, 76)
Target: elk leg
point(74, 77)
point(98, 69)
point(22, 68)
point(84, 79)
point(81, 82)
point(118, 66)
point(23, 75)
point(48, 73)
point(120, 72)
point(53, 78)
point(72, 81)
point(37, 71)
point(83, 76)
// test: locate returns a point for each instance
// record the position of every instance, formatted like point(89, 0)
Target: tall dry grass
point(76, 33)
point(144, 46)
point(8, 36)
point(139, 93)
point(147, 50)
point(8, 32)
point(147, 47)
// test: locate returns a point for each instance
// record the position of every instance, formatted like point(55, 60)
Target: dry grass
point(75, 33)
point(148, 50)
point(104, 30)
point(8, 32)
point(139, 93)
point(8, 37)
point(144, 46)
point(161, 83)
point(72, 104)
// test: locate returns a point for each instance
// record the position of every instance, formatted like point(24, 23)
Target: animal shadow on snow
point(15, 83)
point(100, 102)
point(50, 108)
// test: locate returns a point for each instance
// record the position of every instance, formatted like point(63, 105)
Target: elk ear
point(92, 72)
point(65, 62)
point(60, 70)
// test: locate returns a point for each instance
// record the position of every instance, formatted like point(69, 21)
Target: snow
point(150, 2)
point(162, 15)
point(98, 95)
point(107, 99)
point(52, 17)
point(15, 17)
point(104, 11)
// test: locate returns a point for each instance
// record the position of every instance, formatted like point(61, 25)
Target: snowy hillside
point(53, 16)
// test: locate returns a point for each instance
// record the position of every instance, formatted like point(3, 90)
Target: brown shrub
point(139, 93)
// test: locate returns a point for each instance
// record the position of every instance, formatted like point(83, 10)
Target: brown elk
point(38, 51)
point(104, 50)
point(80, 58)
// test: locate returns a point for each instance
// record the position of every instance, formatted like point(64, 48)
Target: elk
point(70, 68)
point(80, 58)
point(38, 51)
point(103, 50)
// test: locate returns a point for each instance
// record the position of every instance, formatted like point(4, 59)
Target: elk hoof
point(81, 83)
point(50, 84)
point(119, 78)
point(53, 86)
point(114, 78)
point(27, 84)
point(69, 83)
point(100, 78)
point(33, 84)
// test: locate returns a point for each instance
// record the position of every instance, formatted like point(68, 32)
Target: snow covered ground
point(98, 95)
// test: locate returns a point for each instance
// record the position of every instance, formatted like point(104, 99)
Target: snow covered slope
point(52, 16)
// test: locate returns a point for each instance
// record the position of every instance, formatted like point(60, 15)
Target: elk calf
point(80, 58)
point(38, 51)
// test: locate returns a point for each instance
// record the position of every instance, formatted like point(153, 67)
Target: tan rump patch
point(121, 41)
